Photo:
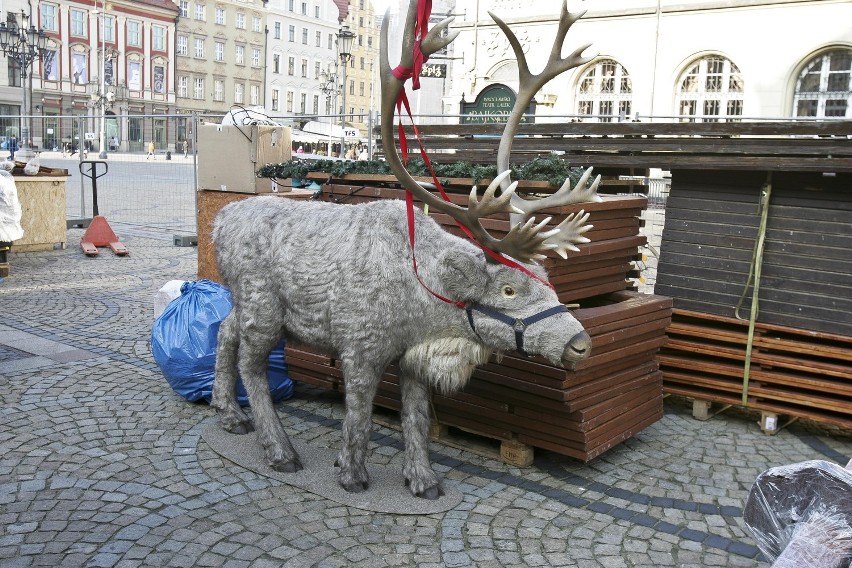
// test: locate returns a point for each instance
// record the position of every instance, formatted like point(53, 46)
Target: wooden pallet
point(793, 372)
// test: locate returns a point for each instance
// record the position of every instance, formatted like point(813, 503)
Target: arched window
point(824, 88)
point(711, 89)
point(605, 91)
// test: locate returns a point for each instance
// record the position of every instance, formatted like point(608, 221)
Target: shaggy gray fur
point(339, 278)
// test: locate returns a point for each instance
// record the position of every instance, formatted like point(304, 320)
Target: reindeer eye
point(508, 292)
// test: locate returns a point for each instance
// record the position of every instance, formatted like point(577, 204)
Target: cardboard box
point(229, 156)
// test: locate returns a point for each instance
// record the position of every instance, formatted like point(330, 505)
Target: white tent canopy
point(334, 130)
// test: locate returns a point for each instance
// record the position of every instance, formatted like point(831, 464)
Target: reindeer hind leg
point(231, 416)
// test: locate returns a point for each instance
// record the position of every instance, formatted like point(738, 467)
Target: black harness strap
point(519, 325)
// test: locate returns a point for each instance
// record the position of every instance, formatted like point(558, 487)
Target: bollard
point(168, 154)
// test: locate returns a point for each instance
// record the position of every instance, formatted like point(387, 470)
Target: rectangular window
point(255, 95)
point(200, 12)
point(219, 48)
point(276, 63)
point(240, 55)
point(238, 93)
point(276, 99)
point(255, 24)
point(330, 41)
point(276, 30)
point(255, 57)
point(361, 88)
point(134, 79)
point(316, 104)
point(184, 8)
point(78, 23)
point(304, 36)
point(291, 66)
point(134, 33)
point(199, 48)
point(290, 5)
point(134, 128)
point(218, 90)
point(183, 87)
point(50, 65)
point(182, 45)
point(318, 39)
point(303, 103)
point(304, 8)
point(304, 68)
point(158, 37)
point(109, 28)
point(220, 16)
point(241, 21)
point(48, 17)
point(317, 70)
point(291, 33)
point(316, 11)
point(198, 92)
point(289, 101)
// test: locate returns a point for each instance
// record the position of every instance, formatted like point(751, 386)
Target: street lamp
point(22, 44)
point(102, 98)
point(329, 86)
point(344, 51)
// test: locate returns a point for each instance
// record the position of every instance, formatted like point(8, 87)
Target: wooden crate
point(209, 204)
point(43, 204)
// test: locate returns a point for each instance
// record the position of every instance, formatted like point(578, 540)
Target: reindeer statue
point(345, 279)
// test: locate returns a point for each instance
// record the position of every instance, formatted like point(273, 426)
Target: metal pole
point(343, 113)
point(102, 155)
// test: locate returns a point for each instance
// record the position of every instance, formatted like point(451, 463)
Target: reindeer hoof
point(431, 493)
point(242, 428)
point(355, 486)
point(291, 466)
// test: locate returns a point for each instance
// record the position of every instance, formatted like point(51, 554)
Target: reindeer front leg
point(362, 381)
point(420, 478)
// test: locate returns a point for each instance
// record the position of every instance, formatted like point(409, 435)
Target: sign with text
point(492, 106)
point(434, 70)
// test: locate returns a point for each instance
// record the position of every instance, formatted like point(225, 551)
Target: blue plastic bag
point(183, 340)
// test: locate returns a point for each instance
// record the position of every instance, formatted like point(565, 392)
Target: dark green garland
point(551, 169)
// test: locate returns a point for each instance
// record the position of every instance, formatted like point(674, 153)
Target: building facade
point(220, 58)
point(683, 59)
point(111, 59)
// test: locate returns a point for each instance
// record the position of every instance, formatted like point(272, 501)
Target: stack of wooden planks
point(581, 412)
point(793, 372)
point(802, 348)
point(600, 267)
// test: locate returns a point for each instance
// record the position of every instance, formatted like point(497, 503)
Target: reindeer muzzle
point(518, 325)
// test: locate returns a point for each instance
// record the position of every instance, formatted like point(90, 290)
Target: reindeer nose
point(578, 347)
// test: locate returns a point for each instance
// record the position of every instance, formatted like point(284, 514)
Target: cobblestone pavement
point(102, 464)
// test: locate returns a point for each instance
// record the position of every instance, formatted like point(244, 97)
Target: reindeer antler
point(526, 240)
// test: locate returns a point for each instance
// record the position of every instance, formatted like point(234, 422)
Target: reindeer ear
point(463, 273)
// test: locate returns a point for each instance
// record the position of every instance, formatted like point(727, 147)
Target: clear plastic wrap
point(10, 209)
point(800, 515)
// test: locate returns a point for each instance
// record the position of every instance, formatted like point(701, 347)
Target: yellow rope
point(754, 271)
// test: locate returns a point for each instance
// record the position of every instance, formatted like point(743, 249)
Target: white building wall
point(769, 41)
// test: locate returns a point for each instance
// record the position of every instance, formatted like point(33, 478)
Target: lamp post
point(329, 86)
point(23, 43)
point(344, 51)
point(103, 99)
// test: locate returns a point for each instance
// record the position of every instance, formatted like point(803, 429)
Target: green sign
point(493, 106)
